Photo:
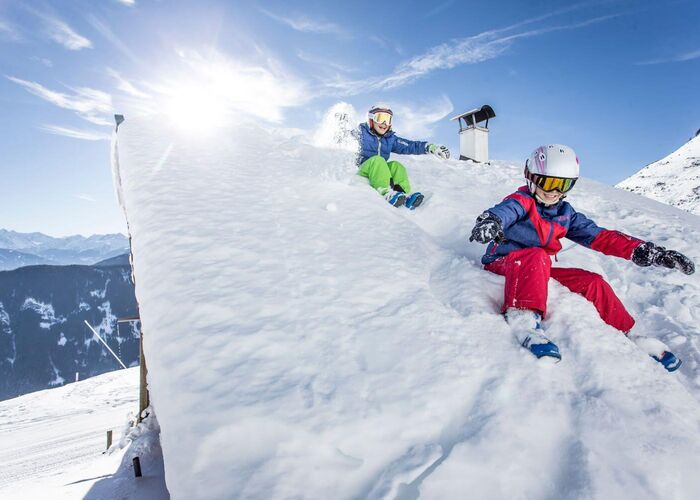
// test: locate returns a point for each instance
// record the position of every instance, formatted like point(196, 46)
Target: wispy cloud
point(61, 33)
point(85, 197)
point(683, 57)
point(306, 24)
point(129, 3)
point(89, 104)
point(46, 62)
point(9, 32)
point(439, 8)
point(419, 121)
point(320, 61)
point(386, 44)
point(85, 135)
point(471, 50)
point(126, 86)
point(103, 29)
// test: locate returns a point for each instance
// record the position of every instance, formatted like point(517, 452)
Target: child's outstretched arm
point(406, 147)
point(585, 232)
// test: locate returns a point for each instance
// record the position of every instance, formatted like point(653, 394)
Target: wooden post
point(143, 390)
point(109, 439)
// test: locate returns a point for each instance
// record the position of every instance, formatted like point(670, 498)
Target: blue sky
point(616, 80)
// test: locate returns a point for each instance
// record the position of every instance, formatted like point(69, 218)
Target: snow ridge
point(342, 348)
point(674, 180)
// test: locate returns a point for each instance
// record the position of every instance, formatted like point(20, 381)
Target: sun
point(196, 107)
point(202, 93)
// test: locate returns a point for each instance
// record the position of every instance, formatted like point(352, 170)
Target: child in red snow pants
point(527, 274)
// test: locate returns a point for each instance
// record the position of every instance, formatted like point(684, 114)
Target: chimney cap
point(477, 115)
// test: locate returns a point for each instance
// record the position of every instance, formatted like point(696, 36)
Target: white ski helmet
point(376, 109)
point(552, 167)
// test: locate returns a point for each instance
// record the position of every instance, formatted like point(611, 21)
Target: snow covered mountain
point(674, 180)
point(23, 249)
point(12, 259)
point(307, 340)
point(43, 338)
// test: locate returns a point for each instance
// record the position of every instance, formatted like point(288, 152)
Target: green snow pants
point(384, 174)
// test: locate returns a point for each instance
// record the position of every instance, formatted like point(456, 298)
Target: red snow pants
point(527, 273)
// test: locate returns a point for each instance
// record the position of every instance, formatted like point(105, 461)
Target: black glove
point(648, 254)
point(488, 228)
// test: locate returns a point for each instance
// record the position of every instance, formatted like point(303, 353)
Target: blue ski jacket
point(527, 224)
point(372, 144)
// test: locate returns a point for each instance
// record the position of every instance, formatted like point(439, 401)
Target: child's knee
point(536, 255)
point(376, 159)
point(396, 166)
point(376, 165)
point(597, 283)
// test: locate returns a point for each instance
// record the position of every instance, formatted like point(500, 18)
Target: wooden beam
point(143, 386)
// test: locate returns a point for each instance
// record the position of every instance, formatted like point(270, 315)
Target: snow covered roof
point(306, 340)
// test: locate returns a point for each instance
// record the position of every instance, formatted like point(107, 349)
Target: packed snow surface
point(304, 339)
point(54, 442)
point(674, 180)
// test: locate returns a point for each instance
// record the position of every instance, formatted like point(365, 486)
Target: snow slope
point(53, 443)
point(674, 180)
point(342, 348)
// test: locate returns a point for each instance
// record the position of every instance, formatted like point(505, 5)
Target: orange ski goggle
point(548, 184)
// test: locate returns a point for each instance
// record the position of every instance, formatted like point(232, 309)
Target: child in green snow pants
point(384, 175)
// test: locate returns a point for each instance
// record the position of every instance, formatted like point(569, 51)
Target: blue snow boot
point(395, 198)
point(669, 360)
point(527, 327)
point(548, 349)
point(414, 200)
point(657, 350)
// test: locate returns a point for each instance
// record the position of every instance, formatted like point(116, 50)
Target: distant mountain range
point(28, 249)
point(43, 338)
point(674, 180)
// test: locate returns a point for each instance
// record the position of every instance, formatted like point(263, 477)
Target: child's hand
point(488, 228)
point(438, 150)
point(648, 253)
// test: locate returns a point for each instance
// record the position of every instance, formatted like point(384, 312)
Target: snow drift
point(306, 340)
point(674, 180)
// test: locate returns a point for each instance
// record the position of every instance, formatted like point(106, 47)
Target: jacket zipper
point(551, 233)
